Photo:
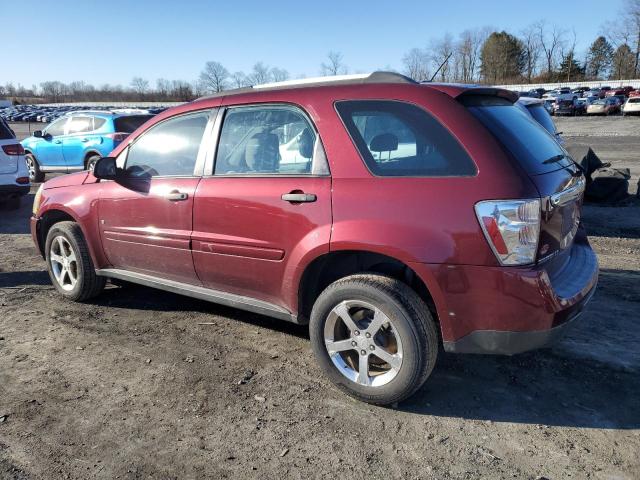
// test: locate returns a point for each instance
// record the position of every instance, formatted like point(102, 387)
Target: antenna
point(441, 65)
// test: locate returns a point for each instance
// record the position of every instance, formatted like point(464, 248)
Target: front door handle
point(176, 196)
point(299, 197)
point(57, 142)
point(84, 140)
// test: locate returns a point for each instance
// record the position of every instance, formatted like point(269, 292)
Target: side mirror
point(38, 134)
point(105, 169)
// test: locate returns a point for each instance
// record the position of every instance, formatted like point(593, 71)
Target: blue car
point(77, 140)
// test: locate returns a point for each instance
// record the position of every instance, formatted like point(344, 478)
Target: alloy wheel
point(363, 343)
point(63, 263)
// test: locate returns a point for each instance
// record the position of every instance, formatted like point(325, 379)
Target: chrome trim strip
point(569, 194)
point(202, 293)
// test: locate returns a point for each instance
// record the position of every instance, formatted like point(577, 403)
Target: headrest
point(385, 142)
point(305, 143)
point(262, 152)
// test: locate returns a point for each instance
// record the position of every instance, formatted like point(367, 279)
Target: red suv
point(390, 216)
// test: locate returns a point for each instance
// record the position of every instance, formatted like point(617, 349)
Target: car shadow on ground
point(28, 278)
point(16, 221)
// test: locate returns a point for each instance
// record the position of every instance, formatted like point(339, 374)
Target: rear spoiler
point(491, 92)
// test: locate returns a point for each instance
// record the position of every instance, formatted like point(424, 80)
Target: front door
point(49, 148)
point(266, 206)
point(146, 216)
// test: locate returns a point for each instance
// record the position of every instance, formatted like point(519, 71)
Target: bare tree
point(279, 74)
point(531, 44)
point(416, 64)
point(467, 54)
point(334, 65)
point(213, 77)
point(441, 51)
point(140, 86)
point(551, 41)
point(240, 80)
point(261, 73)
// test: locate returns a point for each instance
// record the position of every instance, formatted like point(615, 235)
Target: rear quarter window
point(5, 131)
point(130, 123)
point(398, 139)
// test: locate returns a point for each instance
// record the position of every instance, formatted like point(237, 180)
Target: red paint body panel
point(143, 231)
point(235, 234)
point(248, 241)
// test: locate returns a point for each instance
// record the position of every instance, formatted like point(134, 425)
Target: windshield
point(531, 145)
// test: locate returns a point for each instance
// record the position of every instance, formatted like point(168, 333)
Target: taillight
point(117, 137)
point(512, 228)
point(22, 180)
point(13, 149)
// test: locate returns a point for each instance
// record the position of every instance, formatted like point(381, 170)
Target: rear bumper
point(14, 190)
point(504, 310)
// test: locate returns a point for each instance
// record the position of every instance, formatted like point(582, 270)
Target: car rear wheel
point(35, 174)
point(69, 263)
point(374, 338)
point(91, 162)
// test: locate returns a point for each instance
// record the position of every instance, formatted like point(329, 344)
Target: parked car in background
point(77, 140)
point(627, 90)
point(634, 93)
point(535, 108)
point(349, 235)
point(594, 92)
point(580, 91)
point(631, 106)
point(548, 105)
point(14, 177)
point(563, 107)
point(582, 103)
point(616, 92)
point(604, 106)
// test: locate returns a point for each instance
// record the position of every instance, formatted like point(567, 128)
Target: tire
point(410, 329)
point(65, 240)
point(91, 161)
point(35, 174)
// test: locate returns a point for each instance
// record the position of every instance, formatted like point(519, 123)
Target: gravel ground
point(144, 384)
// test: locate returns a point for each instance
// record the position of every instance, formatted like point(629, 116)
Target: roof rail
point(359, 78)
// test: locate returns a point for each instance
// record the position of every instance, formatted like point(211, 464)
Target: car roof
point(339, 82)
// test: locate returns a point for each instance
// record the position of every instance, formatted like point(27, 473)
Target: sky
point(112, 41)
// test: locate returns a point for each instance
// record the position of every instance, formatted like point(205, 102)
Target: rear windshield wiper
point(554, 159)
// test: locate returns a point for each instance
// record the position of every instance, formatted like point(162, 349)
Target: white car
point(14, 176)
point(631, 106)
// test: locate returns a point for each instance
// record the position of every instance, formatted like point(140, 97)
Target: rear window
point(532, 146)
point(5, 131)
point(130, 123)
point(397, 139)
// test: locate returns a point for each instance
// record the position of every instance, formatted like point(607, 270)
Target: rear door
point(146, 216)
point(265, 205)
point(76, 139)
point(49, 147)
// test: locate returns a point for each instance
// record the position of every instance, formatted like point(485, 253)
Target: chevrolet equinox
point(391, 217)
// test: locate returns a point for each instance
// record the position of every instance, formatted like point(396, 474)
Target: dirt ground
point(144, 384)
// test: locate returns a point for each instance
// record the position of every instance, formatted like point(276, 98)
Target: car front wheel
point(374, 338)
point(69, 263)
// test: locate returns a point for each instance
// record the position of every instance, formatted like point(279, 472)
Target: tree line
point(540, 53)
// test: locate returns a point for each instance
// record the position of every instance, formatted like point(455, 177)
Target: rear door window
point(268, 140)
point(398, 139)
point(530, 144)
point(79, 125)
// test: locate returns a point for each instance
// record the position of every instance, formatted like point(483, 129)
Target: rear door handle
point(176, 196)
point(57, 141)
point(299, 197)
point(84, 140)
